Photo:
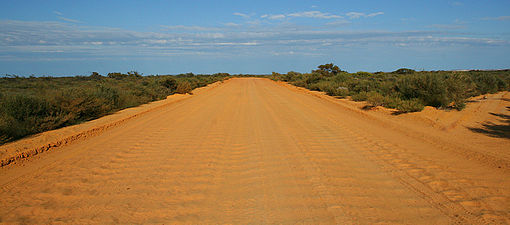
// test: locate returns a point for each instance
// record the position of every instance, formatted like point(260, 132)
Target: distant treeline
point(404, 89)
point(37, 104)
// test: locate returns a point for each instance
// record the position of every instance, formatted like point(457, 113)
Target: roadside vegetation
point(37, 104)
point(404, 89)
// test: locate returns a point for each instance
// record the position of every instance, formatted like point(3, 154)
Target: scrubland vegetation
point(30, 105)
point(405, 89)
point(37, 104)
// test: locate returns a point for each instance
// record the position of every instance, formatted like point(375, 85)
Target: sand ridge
point(253, 152)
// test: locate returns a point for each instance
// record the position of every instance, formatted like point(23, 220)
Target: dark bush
point(169, 83)
point(404, 71)
point(412, 105)
point(375, 99)
point(327, 70)
point(183, 88)
point(360, 96)
point(488, 83)
point(430, 88)
point(95, 75)
point(117, 75)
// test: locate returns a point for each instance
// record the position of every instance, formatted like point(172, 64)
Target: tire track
point(436, 183)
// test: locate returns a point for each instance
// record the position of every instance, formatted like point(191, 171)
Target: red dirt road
point(251, 151)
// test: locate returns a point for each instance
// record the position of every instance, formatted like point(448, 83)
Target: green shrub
point(312, 78)
point(341, 92)
point(341, 77)
point(459, 88)
point(375, 99)
point(299, 83)
point(488, 83)
point(363, 74)
point(412, 105)
point(430, 88)
point(392, 101)
point(183, 88)
point(404, 71)
point(169, 83)
point(361, 96)
point(22, 107)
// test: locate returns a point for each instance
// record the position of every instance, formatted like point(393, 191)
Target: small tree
point(134, 74)
point(328, 69)
point(404, 71)
point(95, 75)
point(117, 75)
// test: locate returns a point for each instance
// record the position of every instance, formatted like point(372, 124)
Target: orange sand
point(253, 151)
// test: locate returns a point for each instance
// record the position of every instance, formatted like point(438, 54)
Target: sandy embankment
point(481, 131)
point(45, 141)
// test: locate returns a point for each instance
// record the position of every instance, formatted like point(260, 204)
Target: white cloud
point(457, 24)
point(230, 24)
point(60, 15)
point(188, 28)
point(339, 22)
point(354, 15)
point(314, 14)
point(500, 18)
point(357, 15)
point(242, 15)
point(273, 17)
point(375, 14)
point(27, 39)
point(448, 26)
point(69, 20)
point(306, 14)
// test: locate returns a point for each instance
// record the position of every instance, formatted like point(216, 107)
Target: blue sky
point(60, 38)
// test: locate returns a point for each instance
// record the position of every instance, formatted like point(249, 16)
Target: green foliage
point(363, 74)
point(328, 69)
point(404, 71)
point(169, 83)
point(360, 96)
point(429, 87)
point(95, 75)
point(134, 74)
point(411, 105)
point(183, 88)
point(489, 83)
point(375, 99)
point(117, 75)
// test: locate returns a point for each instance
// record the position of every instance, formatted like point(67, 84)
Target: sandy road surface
point(253, 152)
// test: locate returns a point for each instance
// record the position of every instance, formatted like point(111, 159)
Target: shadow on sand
point(495, 130)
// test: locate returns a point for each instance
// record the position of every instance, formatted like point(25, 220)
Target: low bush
point(375, 99)
point(360, 96)
point(183, 88)
point(412, 105)
point(169, 83)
